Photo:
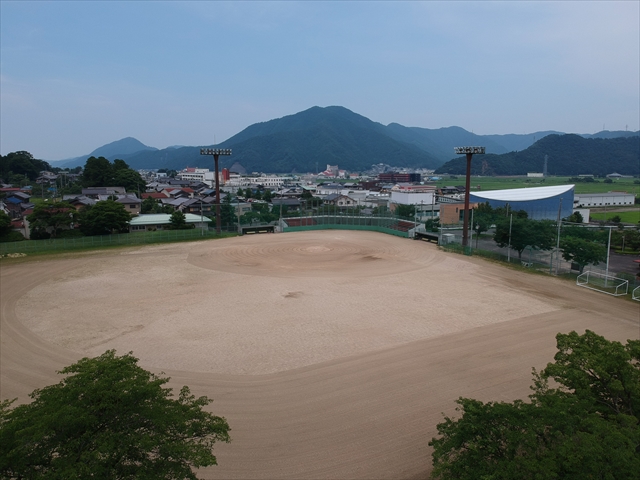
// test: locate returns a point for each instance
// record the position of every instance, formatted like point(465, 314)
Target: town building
point(604, 199)
point(540, 203)
point(395, 177)
point(162, 221)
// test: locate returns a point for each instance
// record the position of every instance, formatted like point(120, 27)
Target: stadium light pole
point(468, 151)
point(216, 152)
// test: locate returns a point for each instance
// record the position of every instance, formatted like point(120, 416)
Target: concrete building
point(584, 200)
point(453, 213)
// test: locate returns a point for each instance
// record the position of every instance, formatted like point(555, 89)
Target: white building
point(268, 181)
point(203, 175)
point(412, 198)
point(604, 199)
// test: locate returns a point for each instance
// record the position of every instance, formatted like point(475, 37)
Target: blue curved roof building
point(539, 202)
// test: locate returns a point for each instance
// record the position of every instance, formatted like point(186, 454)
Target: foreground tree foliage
point(586, 428)
point(109, 418)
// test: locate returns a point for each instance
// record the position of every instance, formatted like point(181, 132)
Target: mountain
point(440, 142)
point(309, 140)
point(121, 149)
point(125, 146)
point(304, 142)
point(567, 155)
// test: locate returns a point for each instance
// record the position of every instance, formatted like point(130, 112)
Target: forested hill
point(567, 155)
point(304, 142)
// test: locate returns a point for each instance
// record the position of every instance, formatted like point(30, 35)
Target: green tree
point(227, 212)
point(575, 217)
point(405, 211)
point(583, 252)
point(432, 225)
point(129, 179)
point(97, 172)
point(21, 166)
point(586, 428)
point(483, 218)
point(629, 238)
point(104, 218)
point(48, 218)
point(5, 224)
point(267, 196)
point(149, 205)
point(178, 221)
point(524, 232)
point(108, 418)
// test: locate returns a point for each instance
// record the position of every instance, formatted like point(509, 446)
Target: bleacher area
point(402, 226)
point(300, 222)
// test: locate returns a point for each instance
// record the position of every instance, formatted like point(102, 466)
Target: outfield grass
point(501, 183)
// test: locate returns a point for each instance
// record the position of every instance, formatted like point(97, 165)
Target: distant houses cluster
point(192, 192)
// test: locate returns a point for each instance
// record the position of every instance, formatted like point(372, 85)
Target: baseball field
point(332, 354)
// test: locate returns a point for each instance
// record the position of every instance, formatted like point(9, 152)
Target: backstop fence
point(324, 219)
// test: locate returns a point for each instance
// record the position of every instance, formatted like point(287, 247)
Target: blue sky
point(77, 75)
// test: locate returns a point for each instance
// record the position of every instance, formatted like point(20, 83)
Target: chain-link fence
point(547, 261)
point(93, 242)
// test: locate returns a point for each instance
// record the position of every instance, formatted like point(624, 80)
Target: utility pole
point(468, 151)
point(216, 152)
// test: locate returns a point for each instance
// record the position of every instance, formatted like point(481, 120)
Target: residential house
point(95, 192)
point(340, 200)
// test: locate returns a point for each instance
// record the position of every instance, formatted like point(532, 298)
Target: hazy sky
point(77, 75)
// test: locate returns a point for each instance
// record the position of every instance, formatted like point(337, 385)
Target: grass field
point(631, 216)
point(501, 183)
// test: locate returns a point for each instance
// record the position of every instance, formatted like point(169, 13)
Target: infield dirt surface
point(332, 354)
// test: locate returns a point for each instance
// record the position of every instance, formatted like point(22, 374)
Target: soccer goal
point(600, 282)
point(636, 294)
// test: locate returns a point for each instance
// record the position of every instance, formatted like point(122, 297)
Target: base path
point(332, 354)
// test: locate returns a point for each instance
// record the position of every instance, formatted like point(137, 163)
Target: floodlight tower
point(468, 151)
point(216, 152)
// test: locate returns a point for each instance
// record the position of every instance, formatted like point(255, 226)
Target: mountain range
point(309, 140)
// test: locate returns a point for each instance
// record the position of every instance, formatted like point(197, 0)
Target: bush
point(72, 233)
point(12, 236)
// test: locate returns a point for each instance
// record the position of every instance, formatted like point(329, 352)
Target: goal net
point(601, 282)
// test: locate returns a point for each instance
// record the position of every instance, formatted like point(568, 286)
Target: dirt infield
point(331, 353)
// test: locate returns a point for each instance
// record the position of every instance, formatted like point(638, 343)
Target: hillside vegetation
point(567, 155)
